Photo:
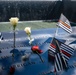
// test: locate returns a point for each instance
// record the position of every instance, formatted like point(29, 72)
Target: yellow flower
point(28, 30)
point(14, 21)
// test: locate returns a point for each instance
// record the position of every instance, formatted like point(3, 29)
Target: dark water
point(37, 10)
point(29, 10)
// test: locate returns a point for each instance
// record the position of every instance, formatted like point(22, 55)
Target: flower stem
point(30, 39)
point(14, 40)
point(40, 56)
point(29, 35)
point(13, 43)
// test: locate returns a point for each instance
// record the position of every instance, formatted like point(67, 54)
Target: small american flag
point(64, 24)
point(66, 50)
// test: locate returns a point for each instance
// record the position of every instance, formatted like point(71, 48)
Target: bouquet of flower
point(28, 32)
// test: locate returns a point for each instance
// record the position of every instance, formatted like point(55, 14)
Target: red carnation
point(36, 48)
point(12, 70)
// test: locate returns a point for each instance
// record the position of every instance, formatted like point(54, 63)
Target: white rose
point(14, 21)
point(28, 30)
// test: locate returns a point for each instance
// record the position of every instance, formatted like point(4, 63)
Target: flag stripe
point(67, 49)
point(67, 46)
point(58, 63)
point(67, 54)
point(66, 58)
point(60, 60)
point(65, 28)
point(52, 49)
point(52, 45)
point(56, 67)
point(51, 53)
point(51, 56)
point(66, 25)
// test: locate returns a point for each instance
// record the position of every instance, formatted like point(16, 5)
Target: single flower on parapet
point(28, 32)
point(14, 21)
point(11, 70)
point(37, 51)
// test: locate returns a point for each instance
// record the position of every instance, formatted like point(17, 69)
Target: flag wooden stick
point(56, 31)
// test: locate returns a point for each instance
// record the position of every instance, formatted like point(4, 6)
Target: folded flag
point(64, 24)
